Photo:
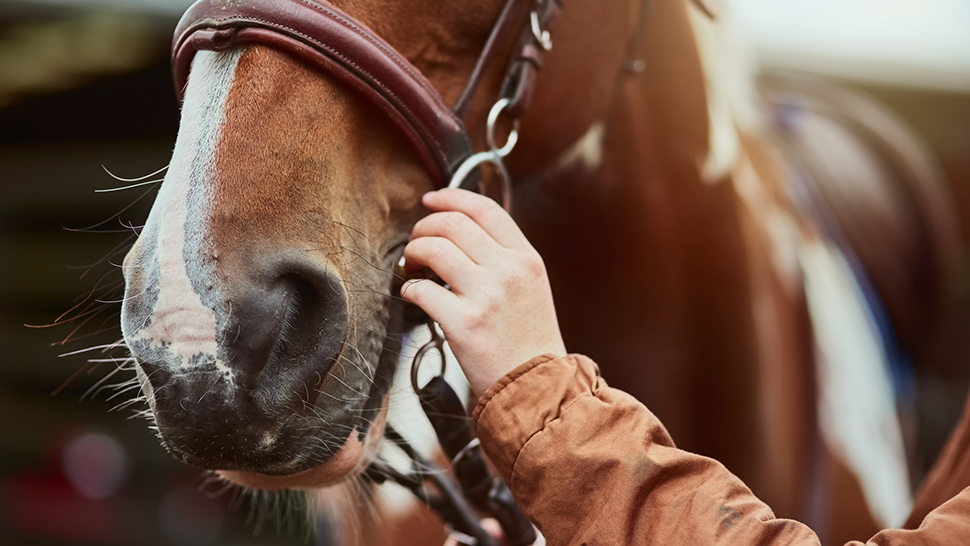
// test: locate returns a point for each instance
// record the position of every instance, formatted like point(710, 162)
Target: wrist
point(484, 380)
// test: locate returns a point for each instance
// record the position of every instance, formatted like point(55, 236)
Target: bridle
point(335, 43)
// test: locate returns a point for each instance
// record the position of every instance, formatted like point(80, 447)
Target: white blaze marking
point(180, 320)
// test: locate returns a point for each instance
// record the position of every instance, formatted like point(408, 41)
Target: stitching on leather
point(392, 53)
point(414, 118)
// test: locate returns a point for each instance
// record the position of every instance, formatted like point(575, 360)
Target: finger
point(444, 258)
point(483, 210)
point(458, 228)
point(437, 301)
point(494, 529)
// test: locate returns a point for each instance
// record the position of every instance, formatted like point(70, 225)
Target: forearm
point(589, 464)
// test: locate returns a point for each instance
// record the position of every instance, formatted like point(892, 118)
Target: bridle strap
point(334, 42)
point(523, 71)
point(503, 32)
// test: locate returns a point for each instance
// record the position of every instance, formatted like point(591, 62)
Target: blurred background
point(85, 90)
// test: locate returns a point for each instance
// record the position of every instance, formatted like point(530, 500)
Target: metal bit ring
point(436, 342)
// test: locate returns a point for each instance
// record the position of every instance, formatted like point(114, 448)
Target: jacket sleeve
point(591, 465)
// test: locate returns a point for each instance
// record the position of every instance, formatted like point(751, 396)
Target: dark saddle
point(879, 193)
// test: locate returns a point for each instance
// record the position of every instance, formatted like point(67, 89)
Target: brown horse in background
point(683, 255)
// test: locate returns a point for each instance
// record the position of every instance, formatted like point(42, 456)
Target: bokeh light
point(95, 464)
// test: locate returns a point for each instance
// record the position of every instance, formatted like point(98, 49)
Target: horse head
point(260, 300)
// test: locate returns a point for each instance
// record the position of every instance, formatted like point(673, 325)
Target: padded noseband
point(329, 40)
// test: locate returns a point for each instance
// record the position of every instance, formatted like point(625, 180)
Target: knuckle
point(485, 207)
point(412, 250)
point(473, 319)
point(427, 250)
point(454, 222)
point(513, 279)
point(533, 264)
point(439, 249)
point(493, 305)
point(436, 255)
point(421, 225)
point(523, 269)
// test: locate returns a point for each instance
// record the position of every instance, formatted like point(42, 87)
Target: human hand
point(499, 312)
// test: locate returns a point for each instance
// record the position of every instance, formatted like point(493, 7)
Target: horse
point(260, 305)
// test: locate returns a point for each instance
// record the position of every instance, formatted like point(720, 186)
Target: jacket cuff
point(523, 402)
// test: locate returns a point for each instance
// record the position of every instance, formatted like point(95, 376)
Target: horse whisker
point(119, 179)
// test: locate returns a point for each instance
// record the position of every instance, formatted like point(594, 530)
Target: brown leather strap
point(520, 79)
point(503, 32)
point(330, 40)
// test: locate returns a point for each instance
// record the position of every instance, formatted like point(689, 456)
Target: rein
point(478, 492)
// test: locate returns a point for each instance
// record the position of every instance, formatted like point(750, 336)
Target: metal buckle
point(542, 36)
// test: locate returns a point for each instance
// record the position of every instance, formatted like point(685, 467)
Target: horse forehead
point(285, 133)
point(300, 153)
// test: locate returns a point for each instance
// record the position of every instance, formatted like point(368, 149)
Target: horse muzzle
point(251, 375)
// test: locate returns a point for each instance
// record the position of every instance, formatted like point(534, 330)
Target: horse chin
point(349, 461)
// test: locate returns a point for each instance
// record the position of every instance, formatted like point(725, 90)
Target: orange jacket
point(590, 464)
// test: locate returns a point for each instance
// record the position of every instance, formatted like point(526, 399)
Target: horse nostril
point(244, 364)
point(307, 314)
point(290, 325)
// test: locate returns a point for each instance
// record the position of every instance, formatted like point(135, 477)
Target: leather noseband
point(333, 42)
